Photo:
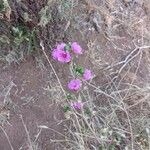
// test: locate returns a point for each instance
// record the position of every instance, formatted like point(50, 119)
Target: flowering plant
point(63, 53)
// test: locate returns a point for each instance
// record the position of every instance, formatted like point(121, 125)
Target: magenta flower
point(76, 48)
point(54, 54)
point(76, 105)
point(74, 85)
point(61, 46)
point(62, 56)
point(87, 74)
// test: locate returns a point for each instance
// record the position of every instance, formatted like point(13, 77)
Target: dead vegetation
point(115, 36)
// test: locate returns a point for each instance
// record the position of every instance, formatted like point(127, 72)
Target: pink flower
point(76, 105)
point(74, 84)
point(61, 46)
point(54, 54)
point(61, 55)
point(87, 74)
point(76, 48)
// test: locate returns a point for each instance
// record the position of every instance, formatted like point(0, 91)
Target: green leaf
point(111, 147)
point(4, 39)
point(80, 70)
point(20, 34)
point(18, 41)
point(87, 111)
point(66, 108)
point(32, 40)
point(45, 17)
point(26, 17)
point(1, 5)
point(6, 4)
point(67, 47)
point(15, 31)
point(101, 147)
point(69, 96)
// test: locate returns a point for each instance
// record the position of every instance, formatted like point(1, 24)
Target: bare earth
point(25, 86)
point(31, 99)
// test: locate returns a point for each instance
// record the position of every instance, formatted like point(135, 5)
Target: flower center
point(74, 85)
point(64, 55)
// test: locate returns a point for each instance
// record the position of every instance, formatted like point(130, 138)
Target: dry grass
point(116, 108)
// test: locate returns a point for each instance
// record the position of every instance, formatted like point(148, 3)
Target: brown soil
point(29, 99)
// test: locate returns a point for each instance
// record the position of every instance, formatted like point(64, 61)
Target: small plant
point(1, 5)
point(63, 53)
point(20, 34)
point(5, 10)
point(66, 108)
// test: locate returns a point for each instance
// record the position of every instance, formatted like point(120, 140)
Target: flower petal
point(61, 46)
point(87, 74)
point(74, 84)
point(76, 48)
point(61, 56)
